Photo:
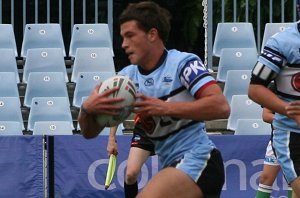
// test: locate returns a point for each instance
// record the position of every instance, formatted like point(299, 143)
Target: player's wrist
point(84, 110)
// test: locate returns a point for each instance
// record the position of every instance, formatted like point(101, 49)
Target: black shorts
point(212, 178)
point(142, 141)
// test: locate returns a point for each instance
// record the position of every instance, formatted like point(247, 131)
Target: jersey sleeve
point(272, 55)
point(195, 76)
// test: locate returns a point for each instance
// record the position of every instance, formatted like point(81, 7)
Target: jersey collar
point(159, 63)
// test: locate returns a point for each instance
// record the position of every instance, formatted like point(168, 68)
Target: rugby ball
point(127, 90)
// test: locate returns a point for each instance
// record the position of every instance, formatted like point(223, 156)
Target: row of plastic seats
point(40, 128)
point(51, 84)
point(246, 117)
point(235, 45)
point(241, 35)
point(235, 59)
point(40, 84)
point(52, 60)
point(49, 35)
point(42, 109)
point(45, 128)
point(47, 115)
point(252, 127)
point(237, 83)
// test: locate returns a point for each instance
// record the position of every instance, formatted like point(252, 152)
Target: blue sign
point(80, 166)
point(21, 166)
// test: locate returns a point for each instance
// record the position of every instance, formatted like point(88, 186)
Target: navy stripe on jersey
point(173, 93)
point(288, 95)
point(293, 65)
point(273, 56)
point(175, 131)
point(198, 79)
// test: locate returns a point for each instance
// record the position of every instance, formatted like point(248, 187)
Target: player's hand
point(149, 106)
point(100, 103)
point(112, 146)
point(293, 111)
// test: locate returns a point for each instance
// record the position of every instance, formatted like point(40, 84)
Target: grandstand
point(25, 15)
point(71, 15)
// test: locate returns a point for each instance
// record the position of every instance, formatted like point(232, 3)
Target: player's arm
point(258, 91)
point(210, 104)
point(96, 105)
point(293, 111)
point(112, 147)
point(267, 115)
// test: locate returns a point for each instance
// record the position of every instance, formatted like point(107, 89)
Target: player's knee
point(266, 179)
point(131, 176)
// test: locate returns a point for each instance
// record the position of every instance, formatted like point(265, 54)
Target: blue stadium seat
point(42, 35)
point(271, 29)
point(8, 85)
point(11, 128)
point(242, 108)
point(45, 84)
point(92, 60)
point(49, 109)
point(10, 110)
point(236, 59)
point(233, 35)
point(7, 38)
point(252, 127)
point(237, 83)
point(86, 82)
point(44, 60)
point(90, 36)
point(8, 62)
point(52, 128)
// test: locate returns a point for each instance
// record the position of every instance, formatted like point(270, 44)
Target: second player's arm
point(112, 147)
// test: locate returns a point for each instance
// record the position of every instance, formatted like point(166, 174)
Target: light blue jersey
point(177, 77)
point(282, 55)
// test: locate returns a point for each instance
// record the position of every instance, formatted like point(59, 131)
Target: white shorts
point(270, 158)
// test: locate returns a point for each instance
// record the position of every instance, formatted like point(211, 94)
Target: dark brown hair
point(148, 15)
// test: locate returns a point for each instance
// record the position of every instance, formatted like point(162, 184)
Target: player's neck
point(154, 63)
point(155, 59)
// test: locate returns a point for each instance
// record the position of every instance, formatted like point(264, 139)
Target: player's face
point(136, 43)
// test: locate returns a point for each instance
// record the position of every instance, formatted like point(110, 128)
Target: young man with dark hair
point(176, 95)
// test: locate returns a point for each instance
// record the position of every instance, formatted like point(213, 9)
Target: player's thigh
point(171, 183)
point(287, 146)
point(296, 187)
point(136, 158)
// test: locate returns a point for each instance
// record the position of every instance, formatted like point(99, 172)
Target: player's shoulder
point(181, 56)
point(280, 41)
point(128, 70)
point(182, 59)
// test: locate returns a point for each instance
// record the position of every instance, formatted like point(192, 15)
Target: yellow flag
point(110, 170)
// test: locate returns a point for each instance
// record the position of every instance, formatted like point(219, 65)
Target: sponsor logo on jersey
point(274, 57)
point(167, 80)
point(192, 70)
point(296, 81)
point(149, 82)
